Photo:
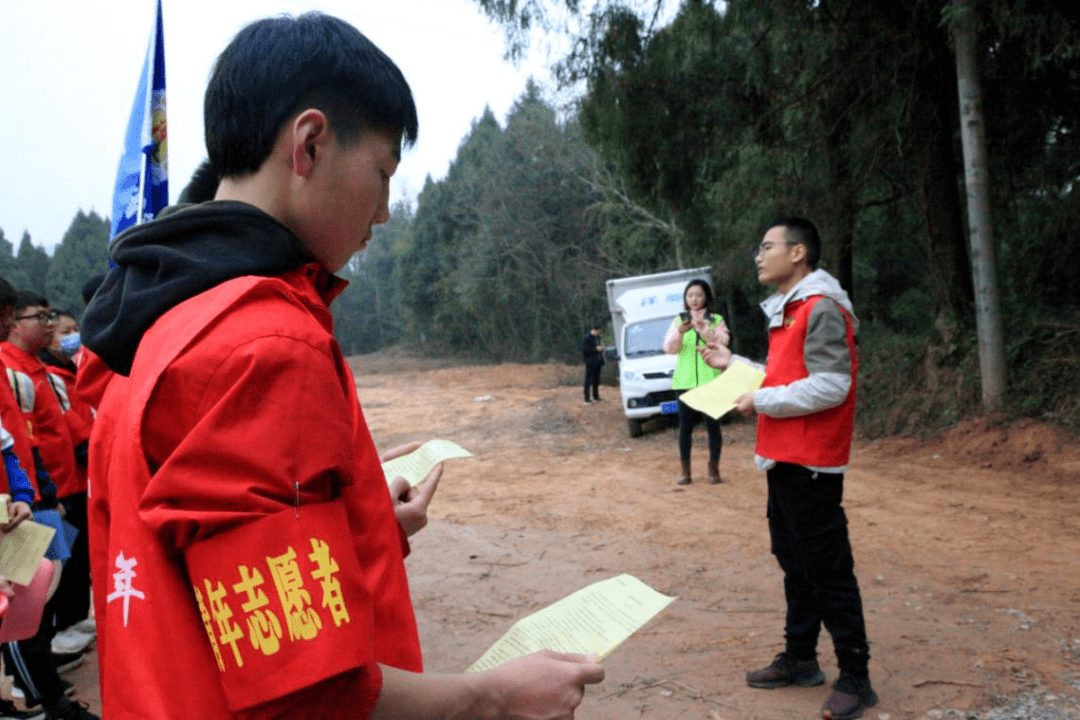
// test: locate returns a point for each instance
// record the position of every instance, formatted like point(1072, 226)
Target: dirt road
point(967, 548)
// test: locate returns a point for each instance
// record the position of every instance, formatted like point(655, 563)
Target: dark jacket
point(590, 351)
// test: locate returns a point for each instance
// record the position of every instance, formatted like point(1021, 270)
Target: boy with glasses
point(32, 329)
point(28, 327)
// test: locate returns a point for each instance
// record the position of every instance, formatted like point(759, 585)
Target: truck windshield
point(646, 338)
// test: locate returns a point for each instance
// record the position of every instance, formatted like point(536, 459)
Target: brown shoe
point(785, 671)
point(684, 479)
point(714, 473)
point(849, 700)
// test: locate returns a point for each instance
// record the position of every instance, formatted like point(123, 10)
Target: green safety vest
point(690, 369)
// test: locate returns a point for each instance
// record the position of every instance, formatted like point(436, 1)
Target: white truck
point(642, 309)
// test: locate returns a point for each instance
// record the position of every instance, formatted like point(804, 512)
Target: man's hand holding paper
point(726, 392)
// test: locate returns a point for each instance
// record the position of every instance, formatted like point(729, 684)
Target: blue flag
point(142, 179)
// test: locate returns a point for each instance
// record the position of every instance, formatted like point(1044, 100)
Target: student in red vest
point(75, 629)
point(246, 552)
point(805, 410)
point(31, 331)
point(31, 661)
point(14, 443)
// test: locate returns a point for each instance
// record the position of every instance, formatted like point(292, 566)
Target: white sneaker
point(70, 641)
point(87, 626)
point(17, 692)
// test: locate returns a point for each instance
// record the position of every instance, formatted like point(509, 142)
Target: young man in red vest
point(806, 408)
point(31, 661)
point(32, 330)
point(247, 555)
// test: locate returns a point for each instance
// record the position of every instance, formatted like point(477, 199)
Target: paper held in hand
point(718, 396)
point(595, 619)
point(415, 466)
point(21, 551)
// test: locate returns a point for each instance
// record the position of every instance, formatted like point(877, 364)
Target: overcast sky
point(69, 70)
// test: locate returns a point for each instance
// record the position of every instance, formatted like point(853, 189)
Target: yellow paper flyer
point(595, 619)
point(718, 396)
point(21, 551)
point(415, 466)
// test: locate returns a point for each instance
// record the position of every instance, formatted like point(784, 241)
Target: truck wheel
point(635, 427)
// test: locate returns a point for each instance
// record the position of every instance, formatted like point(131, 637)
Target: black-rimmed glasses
point(42, 317)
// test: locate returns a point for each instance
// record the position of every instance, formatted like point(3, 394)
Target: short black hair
point(708, 294)
point(801, 231)
point(27, 299)
point(276, 67)
point(203, 184)
point(8, 295)
point(58, 312)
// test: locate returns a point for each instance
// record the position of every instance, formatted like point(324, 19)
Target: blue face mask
point(70, 344)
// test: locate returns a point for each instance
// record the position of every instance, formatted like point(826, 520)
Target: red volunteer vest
point(50, 428)
point(11, 414)
point(266, 607)
point(821, 439)
point(79, 418)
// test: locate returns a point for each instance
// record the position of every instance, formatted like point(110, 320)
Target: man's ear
point(798, 252)
point(308, 136)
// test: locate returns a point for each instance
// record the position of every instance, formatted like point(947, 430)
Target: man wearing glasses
point(805, 411)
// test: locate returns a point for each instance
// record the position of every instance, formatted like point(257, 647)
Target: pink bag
point(21, 613)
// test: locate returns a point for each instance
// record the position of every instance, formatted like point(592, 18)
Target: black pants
point(688, 418)
point(808, 529)
point(30, 662)
point(592, 380)
point(72, 598)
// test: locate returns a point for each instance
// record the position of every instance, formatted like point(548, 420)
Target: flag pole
point(142, 183)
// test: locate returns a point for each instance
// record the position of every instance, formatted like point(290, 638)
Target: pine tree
point(81, 254)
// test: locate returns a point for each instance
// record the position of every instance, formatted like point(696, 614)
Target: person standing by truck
point(592, 352)
point(698, 325)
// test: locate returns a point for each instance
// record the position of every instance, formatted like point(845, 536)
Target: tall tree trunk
point(973, 134)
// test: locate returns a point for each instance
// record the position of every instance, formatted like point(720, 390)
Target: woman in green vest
point(696, 326)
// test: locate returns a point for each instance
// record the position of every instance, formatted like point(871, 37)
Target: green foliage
point(906, 385)
point(81, 254)
point(9, 270)
point(32, 266)
point(1045, 368)
point(368, 313)
point(505, 260)
point(846, 112)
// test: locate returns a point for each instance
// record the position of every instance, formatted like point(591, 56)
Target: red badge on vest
point(279, 598)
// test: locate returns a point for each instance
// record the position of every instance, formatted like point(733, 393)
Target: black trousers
point(592, 380)
point(688, 418)
point(72, 598)
point(30, 662)
point(809, 534)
